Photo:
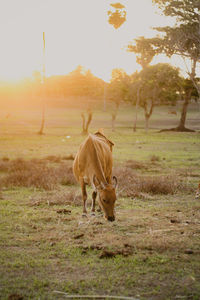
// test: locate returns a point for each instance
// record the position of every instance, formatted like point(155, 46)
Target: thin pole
point(43, 83)
point(104, 96)
point(43, 77)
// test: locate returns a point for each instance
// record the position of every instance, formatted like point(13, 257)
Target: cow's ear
point(115, 182)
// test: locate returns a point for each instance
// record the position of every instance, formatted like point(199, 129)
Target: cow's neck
point(98, 170)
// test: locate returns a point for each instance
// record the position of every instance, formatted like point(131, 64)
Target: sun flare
point(77, 33)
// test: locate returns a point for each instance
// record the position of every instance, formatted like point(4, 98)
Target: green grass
point(154, 241)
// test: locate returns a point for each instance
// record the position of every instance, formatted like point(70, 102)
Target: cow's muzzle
point(111, 219)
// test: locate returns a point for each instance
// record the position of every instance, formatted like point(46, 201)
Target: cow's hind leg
point(94, 195)
point(84, 196)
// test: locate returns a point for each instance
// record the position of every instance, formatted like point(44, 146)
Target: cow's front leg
point(84, 196)
point(94, 195)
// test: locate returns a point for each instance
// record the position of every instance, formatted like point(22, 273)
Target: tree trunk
point(184, 113)
point(85, 125)
point(146, 122)
point(136, 108)
point(113, 121)
point(181, 127)
point(89, 120)
point(193, 75)
point(148, 114)
point(114, 115)
point(41, 131)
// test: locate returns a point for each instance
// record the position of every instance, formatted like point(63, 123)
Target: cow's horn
point(115, 181)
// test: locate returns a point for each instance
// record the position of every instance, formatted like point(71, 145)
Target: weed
point(154, 158)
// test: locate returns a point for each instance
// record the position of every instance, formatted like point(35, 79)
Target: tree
point(117, 91)
point(83, 84)
point(187, 90)
point(145, 53)
point(159, 85)
point(182, 39)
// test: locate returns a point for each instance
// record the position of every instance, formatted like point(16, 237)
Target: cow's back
point(93, 158)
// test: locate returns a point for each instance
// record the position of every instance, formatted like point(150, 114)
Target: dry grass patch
point(133, 164)
point(72, 198)
point(133, 185)
point(36, 173)
point(188, 172)
point(53, 158)
point(58, 159)
point(4, 166)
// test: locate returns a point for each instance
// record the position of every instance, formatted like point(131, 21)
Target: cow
point(93, 166)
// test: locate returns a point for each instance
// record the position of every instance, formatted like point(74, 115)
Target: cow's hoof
point(84, 215)
point(92, 214)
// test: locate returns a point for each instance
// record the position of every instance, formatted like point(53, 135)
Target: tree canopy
point(118, 16)
point(184, 37)
point(143, 49)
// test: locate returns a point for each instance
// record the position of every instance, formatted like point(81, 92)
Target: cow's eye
point(104, 200)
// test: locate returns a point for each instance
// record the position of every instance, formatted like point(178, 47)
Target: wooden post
point(43, 88)
point(104, 97)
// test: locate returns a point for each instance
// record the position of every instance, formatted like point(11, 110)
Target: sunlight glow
point(77, 33)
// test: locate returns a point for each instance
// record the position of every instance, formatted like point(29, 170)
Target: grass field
point(151, 251)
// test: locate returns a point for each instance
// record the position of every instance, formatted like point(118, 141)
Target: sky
point(77, 33)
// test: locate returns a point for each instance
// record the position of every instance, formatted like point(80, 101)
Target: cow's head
point(107, 197)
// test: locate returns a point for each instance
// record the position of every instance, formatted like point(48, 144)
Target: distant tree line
point(154, 85)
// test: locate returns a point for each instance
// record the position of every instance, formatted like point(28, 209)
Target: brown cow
point(93, 165)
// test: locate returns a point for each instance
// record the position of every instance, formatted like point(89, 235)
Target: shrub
point(133, 184)
point(65, 174)
point(4, 166)
point(33, 177)
point(5, 158)
point(36, 173)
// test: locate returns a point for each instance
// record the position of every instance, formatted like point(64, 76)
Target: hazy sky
point(77, 32)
